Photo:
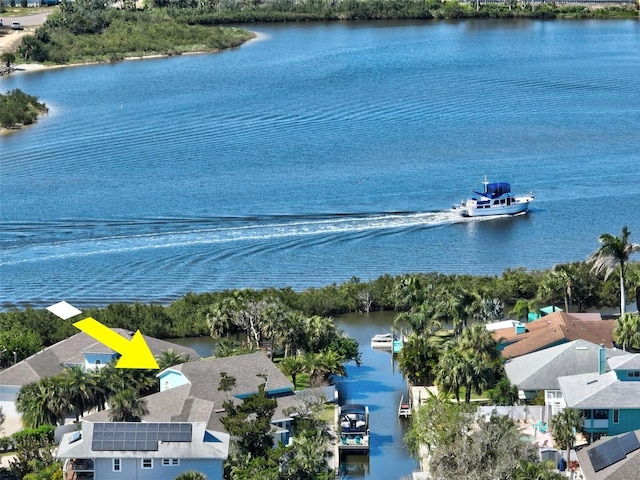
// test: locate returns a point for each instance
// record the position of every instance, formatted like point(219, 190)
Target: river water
point(318, 153)
point(377, 384)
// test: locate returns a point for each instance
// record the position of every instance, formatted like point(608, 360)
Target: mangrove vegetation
point(92, 31)
point(18, 109)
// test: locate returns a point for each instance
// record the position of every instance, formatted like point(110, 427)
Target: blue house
point(195, 392)
point(609, 401)
point(143, 451)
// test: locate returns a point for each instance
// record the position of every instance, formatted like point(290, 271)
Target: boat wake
point(47, 241)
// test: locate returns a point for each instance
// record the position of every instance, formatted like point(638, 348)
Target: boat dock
point(404, 409)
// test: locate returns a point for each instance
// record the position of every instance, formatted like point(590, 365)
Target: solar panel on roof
point(606, 454)
point(138, 436)
point(629, 442)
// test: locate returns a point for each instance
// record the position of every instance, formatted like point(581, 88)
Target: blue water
point(318, 153)
point(378, 384)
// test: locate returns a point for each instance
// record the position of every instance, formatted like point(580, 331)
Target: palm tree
point(80, 388)
point(289, 332)
point(419, 320)
point(191, 475)
point(521, 310)
point(43, 403)
point(169, 358)
point(627, 331)
point(319, 332)
point(567, 280)
point(480, 340)
point(222, 317)
point(418, 359)
point(450, 376)
point(614, 253)
point(229, 348)
point(127, 406)
point(292, 367)
point(331, 363)
point(477, 374)
point(564, 426)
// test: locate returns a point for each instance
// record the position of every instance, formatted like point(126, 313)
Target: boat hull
point(472, 208)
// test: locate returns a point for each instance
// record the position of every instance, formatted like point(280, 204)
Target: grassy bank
point(82, 33)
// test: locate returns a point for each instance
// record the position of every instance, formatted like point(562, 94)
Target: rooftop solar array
point(629, 442)
point(137, 436)
point(613, 450)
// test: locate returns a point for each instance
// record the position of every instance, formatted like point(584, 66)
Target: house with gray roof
point(539, 371)
point(609, 401)
point(142, 450)
point(193, 392)
point(79, 349)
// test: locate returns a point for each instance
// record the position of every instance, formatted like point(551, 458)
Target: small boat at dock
point(404, 408)
point(383, 341)
point(496, 199)
point(353, 424)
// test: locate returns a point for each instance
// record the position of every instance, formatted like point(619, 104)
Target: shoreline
point(39, 67)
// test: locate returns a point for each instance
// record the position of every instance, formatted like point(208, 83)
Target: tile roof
point(554, 329)
point(540, 370)
point(625, 469)
point(49, 361)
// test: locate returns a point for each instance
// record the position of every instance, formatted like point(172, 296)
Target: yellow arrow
point(135, 352)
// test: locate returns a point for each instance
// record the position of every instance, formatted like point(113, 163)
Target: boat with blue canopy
point(496, 199)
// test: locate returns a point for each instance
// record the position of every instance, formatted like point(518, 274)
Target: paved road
point(9, 39)
point(26, 20)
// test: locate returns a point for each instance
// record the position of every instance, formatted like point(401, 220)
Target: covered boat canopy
point(352, 408)
point(495, 190)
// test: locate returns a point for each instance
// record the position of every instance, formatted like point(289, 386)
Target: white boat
point(383, 341)
point(353, 422)
point(496, 199)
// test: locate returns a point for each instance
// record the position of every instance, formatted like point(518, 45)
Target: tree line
point(418, 298)
point(90, 30)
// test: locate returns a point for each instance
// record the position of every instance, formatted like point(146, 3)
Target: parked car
point(16, 26)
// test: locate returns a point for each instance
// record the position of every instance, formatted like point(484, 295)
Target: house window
point(616, 416)
point(116, 466)
point(601, 414)
point(170, 462)
point(147, 463)
point(98, 362)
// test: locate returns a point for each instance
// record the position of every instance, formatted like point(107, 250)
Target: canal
point(377, 384)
